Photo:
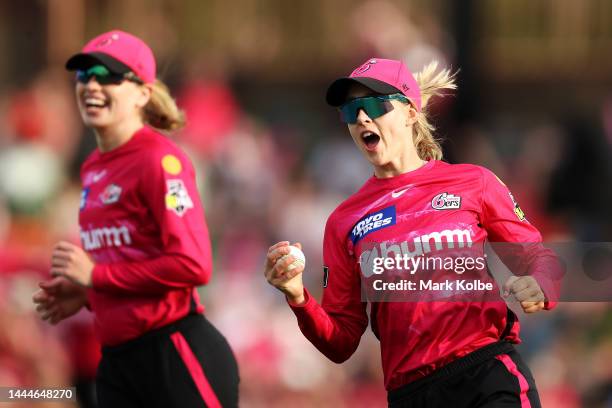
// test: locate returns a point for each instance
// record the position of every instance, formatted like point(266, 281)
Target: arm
point(157, 275)
point(336, 325)
point(173, 201)
point(519, 246)
point(335, 332)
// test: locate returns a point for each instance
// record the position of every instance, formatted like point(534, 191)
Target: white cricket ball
point(300, 259)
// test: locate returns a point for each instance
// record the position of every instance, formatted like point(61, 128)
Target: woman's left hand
point(527, 291)
point(72, 262)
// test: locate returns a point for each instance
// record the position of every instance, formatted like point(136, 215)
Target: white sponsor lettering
point(457, 238)
point(370, 223)
point(105, 237)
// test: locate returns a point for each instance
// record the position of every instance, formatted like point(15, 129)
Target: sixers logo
point(364, 67)
point(446, 201)
point(111, 194)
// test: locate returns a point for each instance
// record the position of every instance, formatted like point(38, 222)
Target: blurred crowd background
point(534, 105)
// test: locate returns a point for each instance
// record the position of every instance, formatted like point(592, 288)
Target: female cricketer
point(145, 242)
point(434, 353)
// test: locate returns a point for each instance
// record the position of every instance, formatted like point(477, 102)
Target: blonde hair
point(431, 83)
point(161, 111)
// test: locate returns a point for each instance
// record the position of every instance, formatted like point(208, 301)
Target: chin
point(375, 158)
point(94, 122)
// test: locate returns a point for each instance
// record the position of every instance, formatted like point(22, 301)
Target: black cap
point(338, 90)
point(88, 60)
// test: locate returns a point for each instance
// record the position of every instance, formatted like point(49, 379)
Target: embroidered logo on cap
point(364, 67)
point(107, 41)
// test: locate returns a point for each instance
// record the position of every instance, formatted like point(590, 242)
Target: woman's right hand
point(278, 275)
point(58, 299)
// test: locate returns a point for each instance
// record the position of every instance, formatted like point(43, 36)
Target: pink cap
point(383, 76)
point(120, 52)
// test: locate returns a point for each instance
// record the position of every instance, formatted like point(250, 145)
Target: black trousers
point(491, 377)
point(185, 364)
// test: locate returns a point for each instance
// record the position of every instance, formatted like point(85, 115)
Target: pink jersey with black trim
point(142, 222)
point(458, 202)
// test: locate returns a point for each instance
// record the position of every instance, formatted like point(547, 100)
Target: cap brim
point(87, 60)
point(338, 90)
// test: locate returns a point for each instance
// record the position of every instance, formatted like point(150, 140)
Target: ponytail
point(431, 83)
point(161, 112)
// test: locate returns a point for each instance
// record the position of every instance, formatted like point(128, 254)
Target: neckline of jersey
point(123, 147)
point(403, 178)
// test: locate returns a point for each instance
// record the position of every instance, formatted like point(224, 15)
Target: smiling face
point(386, 141)
point(107, 106)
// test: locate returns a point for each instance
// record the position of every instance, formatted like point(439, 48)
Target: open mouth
point(95, 103)
point(370, 139)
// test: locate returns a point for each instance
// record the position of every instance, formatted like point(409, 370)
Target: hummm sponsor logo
point(105, 237)
point(420, 245)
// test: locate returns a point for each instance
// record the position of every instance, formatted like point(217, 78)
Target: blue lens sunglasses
point(105, 77)
point(374, 106)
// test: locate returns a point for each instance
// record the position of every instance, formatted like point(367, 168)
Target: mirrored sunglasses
point(104, 76)
point(374, 106)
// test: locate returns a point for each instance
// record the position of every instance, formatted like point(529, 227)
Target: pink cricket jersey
point(142, 222)
point(458, 202)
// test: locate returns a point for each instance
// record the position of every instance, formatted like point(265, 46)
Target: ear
point(144, 95)
point(411, 114)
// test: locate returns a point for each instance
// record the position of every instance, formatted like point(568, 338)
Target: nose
point(362, 116)
point(91, 83)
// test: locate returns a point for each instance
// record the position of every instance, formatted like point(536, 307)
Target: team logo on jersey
point(84, 194)
point(177, 197)
point(171, 164)
point(517, 210)
point(110, 194)
point(446, 201)
point(373, 222)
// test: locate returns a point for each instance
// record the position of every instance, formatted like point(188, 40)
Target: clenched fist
point(278, 274)
point(527, 291)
